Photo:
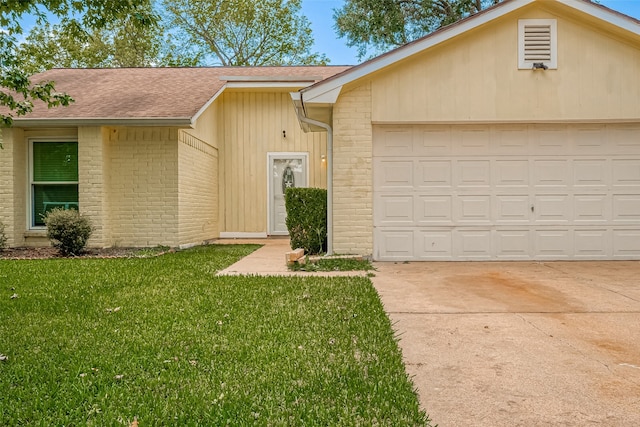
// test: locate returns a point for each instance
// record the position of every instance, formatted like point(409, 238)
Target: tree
point(375, 26)
point(120, 43)
point(77, 19)
point(245, 33)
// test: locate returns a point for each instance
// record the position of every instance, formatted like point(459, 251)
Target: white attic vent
point(537, 43)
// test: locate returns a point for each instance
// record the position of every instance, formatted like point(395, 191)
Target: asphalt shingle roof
point(152, 93)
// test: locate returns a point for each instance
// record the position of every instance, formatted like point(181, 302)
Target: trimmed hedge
point(307, 218)
point(68, 230)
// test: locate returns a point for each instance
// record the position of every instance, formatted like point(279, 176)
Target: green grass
point(102, 342)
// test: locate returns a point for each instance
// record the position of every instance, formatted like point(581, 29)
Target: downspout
point(329, 130)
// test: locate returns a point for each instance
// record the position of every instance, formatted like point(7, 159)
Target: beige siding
point(197, 190)
point(352, 173)
point(476, 78)
point(252, 125)
point(143, 187)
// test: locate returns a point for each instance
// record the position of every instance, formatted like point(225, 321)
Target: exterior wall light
point(539, 66)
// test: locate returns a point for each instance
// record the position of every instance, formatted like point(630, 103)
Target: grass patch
point(333, 264)
point(164, 341)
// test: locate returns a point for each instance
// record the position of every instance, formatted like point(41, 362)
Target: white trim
point(552, 24)
point(30, 183)
point(197, 115)
point(319, 89)
point(241, 235)
point(102, 121)
point(276, 155)
point(271, 79)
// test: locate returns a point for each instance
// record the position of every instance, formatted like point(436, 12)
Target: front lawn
point(165, 342)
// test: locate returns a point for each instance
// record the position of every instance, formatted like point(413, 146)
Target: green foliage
point(100, 342)
point(67, 230)
point(3, 237)
point(245, 33)
point(307, 218)
point(121, 43)
point(77, 19)
point(333, 264)
point(375, 26)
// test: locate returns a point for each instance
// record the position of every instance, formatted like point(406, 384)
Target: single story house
point(513, 134)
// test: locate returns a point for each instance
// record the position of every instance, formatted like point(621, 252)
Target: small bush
point(307, 218)
point(3, 237)
point(67, 230)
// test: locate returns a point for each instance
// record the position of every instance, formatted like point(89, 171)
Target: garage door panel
point(512, 140)
point(472, 140)
point(626, 208)
point(592, 244)
point(472, 244)
point(551, 173)
point(591, 208)
point(394, 244)
point(626, 173)
point(511, 174)
point(551, 139)
point(512, 209)
point(472, 209)
point(590, 139)
point(513, 244)
point(434, 141)
point(553, 244)
point(626, 243)
point(591, 173)
point(393, 174)
point(433, 245)
point(434, 210)
point(553, 208)
point(394, 210)
point(473, 174)
point(625, 138)
point(395, 141)
point(433, 174)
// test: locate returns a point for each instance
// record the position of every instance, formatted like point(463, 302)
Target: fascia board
point(107, 121)
point(609, 16)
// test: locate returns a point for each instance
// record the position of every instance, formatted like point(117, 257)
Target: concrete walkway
point(269, 260)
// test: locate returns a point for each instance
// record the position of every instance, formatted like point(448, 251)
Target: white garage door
point(512, 192)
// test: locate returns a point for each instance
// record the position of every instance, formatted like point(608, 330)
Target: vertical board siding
point(252, 125)
point(475, 77)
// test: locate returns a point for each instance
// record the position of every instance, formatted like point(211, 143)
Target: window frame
point(31, 220)
point(523, 64)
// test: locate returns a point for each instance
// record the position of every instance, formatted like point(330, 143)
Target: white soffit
point(325, 90)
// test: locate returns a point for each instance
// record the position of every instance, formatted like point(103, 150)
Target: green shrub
point(307, 218)
point(67, 230)
point(3, 237)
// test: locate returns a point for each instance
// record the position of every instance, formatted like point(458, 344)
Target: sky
point(320, 13)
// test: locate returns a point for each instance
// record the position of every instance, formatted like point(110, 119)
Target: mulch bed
point(48, 252)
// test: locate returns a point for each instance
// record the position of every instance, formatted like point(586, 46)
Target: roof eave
point(107, 121)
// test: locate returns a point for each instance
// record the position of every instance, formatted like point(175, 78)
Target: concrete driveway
point(518, 343)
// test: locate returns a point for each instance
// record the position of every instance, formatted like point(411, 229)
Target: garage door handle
point(532, 209)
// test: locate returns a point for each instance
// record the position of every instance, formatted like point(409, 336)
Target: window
point(54, 177)
point(537, 43)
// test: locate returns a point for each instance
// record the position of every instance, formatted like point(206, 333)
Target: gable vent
point(537, 42)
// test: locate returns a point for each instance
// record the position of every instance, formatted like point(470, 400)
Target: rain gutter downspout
point(329, 130)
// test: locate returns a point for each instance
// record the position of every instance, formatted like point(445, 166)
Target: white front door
point(285, 170)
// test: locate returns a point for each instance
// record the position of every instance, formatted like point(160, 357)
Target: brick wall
point(93, 175)
point(13, 185)
point(352, 173)
point(143, 187)
point(197, 189)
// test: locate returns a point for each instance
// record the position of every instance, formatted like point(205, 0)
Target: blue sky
point(320, 13)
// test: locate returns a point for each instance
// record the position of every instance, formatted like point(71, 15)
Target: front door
point(285, 170)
